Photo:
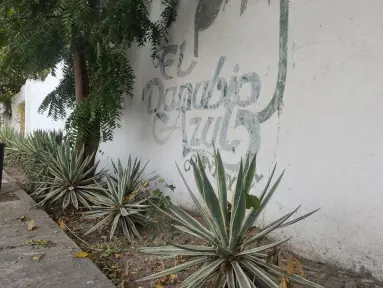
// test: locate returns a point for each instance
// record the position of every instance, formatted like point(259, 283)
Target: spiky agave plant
point(37, 148)
point(71, 179)
point(231, 259)
point(133, 173)
point(124, 202)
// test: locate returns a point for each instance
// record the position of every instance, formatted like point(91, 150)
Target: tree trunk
point(91, 142)
point(80, 71)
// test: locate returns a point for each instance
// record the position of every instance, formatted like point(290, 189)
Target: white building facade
point(297, 84)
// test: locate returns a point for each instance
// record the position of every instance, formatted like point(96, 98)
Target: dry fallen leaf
point(62, 225)
point(117, 255)
point(172, 278)
point(81, 254)
point(290, 266)
point(283, 283)
point(36, 258)
point(162, 280)
point(31, 225)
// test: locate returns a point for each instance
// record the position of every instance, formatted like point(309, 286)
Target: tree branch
point(13, 19)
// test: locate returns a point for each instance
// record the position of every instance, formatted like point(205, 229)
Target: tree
point(90, 38)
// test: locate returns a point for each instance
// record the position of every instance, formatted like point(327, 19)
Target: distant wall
point(33, 93)
point(37, 90)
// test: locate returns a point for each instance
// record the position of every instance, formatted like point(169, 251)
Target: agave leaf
point(182, 223)
point(197, 261)
point(74, 199)
point(187, 253)
point(250, 174)
point(173, 249)
point(124, 212)
point(201, 210)
point(196, 273)
point(188, 231)
point(241, 277)
point(114, 225)
point(125, 230)
point(252, 217)
point(263, 248)
point(221, 184)
point(238, 210)
point(83, 200)
point(213, 206)
point(197, 178)
point(62, 192)
point(66, 200)
point(191, 222)
point(267, 184)
point(206, 272)
point(230, 277)
point(298, 219)
point(272, 190)
point(278, 271)
point(133, 227)
point(261, 275)
point(270, 228)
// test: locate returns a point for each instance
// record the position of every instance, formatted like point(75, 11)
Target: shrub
point(12, 140)
point(231, 258)
point(123, 202)
point(71, 179)
point(35, 151)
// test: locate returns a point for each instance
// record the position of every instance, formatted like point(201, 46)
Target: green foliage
point(133, 174)
point(231, 258)
point(37, 35)
point(70, 179)
point(32, 152)
point(120, 206)
point(160, 200)
point(9, 135)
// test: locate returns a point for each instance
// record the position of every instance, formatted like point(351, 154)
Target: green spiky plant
point(31, 153)
point(124, 202)
point(70, 179)
point(36, 149)
point(133, 172)
point(231, 259)
point(12, 140)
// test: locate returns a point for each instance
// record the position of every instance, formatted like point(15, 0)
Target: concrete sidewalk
point(41, 257)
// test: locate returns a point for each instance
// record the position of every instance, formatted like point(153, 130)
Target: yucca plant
point(8, 134)
point(70, 179)
point(124, 202)
point(31, 153)
point(231, 259)
point(13, 141)
point(133, 172)
point(36, 150)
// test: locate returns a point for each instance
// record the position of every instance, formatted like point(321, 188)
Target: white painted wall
point(325, 134)
point(16, 100)
point(326, 137)
point(35, 93)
